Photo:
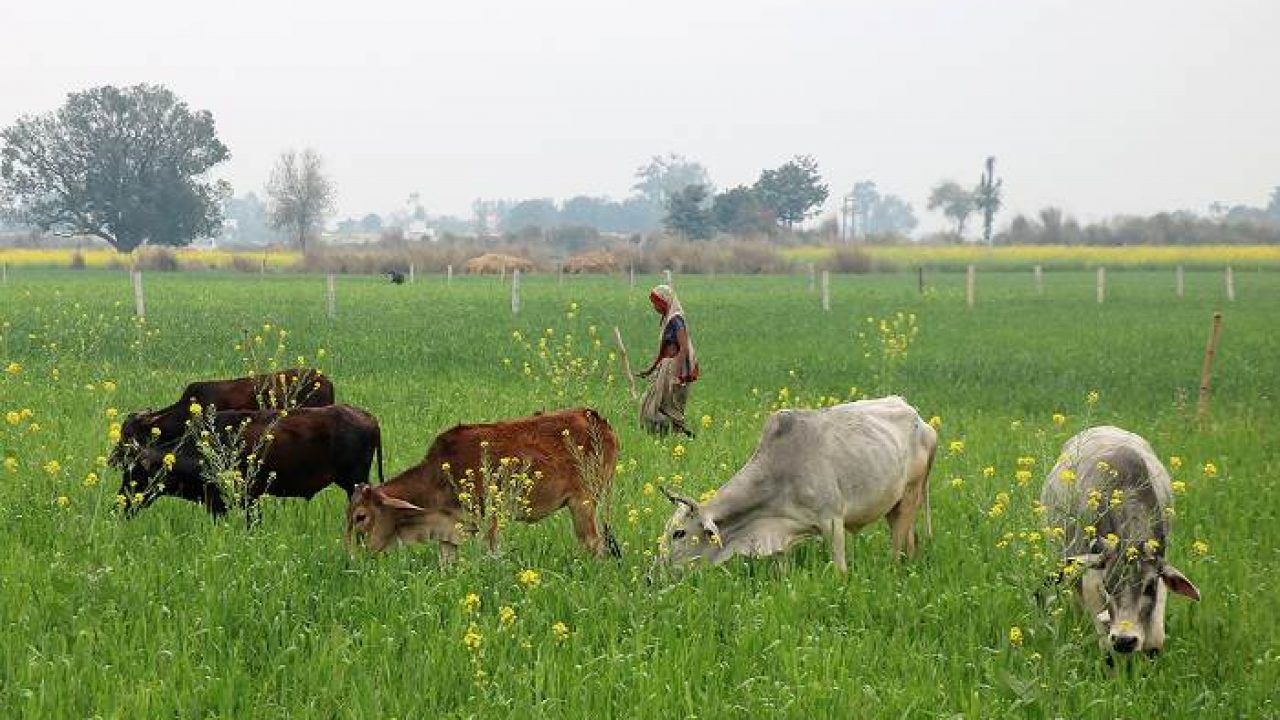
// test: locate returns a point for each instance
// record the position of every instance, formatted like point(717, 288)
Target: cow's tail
point(611, 542)
point(377, 449)
point(924, 487)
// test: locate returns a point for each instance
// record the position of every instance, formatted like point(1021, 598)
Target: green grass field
point(173, 615)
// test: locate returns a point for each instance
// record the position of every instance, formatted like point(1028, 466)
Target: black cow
point(300, 451)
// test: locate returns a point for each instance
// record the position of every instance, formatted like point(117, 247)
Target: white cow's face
point(689, 535)
point(1126, 598)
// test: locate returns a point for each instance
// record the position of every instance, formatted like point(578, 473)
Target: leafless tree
point(301, 195)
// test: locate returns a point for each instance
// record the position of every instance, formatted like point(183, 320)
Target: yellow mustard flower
point(1015, 636)
point(472, 639)
point(560, 631)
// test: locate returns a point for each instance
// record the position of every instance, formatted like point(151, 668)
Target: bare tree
point(301, 195)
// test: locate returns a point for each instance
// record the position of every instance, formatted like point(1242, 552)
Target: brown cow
point(295, 387)
point(422, 503)
point(309, 449)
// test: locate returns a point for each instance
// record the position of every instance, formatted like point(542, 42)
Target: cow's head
point(1125, 589)
point(690, 534)
point(382, 520)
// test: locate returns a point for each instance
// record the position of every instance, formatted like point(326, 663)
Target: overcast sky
point(1096, 107)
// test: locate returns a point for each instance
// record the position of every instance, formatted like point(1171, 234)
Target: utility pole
point(849, 209)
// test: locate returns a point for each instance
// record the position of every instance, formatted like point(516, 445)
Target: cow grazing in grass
point(566, 457)
point(815, 472)
point(295, 387)
point(1111, 495)
point(300, 451)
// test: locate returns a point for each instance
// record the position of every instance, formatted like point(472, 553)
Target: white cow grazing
point(1110, 494)
point(815, 472)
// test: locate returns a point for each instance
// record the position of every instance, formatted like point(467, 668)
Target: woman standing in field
point(672, 370)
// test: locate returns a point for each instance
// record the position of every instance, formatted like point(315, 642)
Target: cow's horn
point(677, 499)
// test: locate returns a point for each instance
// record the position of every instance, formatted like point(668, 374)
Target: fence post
point(560, 273)
point(1231, 284)
point(515, 291)
point(139, 302)
point(813, 283)
point(4, 274)
point(448, 278)
point(331, 297)
point(411, 278)
point(1177, 281)
point(826, 290)
point(1039, 274)
point(667, 273)
point(1206, 372)
point(970, 279)
point(920, 279)
point(631, 271)
point(1102, 284)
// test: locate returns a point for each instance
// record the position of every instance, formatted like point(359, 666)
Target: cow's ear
point(1177, 582)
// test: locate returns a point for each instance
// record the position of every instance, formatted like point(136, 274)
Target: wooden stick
point(1177, 281)
point(626, 362)
point(1102, 284)
point(331, 297)
point(826, 290)
point(515, 291)
point(1231, 284)
point(1039, 273)
point(920, 279)
point(1206, 372)
point(970, 278)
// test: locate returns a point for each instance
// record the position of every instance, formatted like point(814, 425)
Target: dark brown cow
point(295, 387)
point(422, 502)
point(309, 449)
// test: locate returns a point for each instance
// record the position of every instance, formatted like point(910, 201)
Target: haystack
point(497, 263)
point(596, 261)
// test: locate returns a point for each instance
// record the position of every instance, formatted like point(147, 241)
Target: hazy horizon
point(1097, 108)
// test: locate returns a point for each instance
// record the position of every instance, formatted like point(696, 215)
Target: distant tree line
point(132, 166)
point(1240, 225)
point(785, 195)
